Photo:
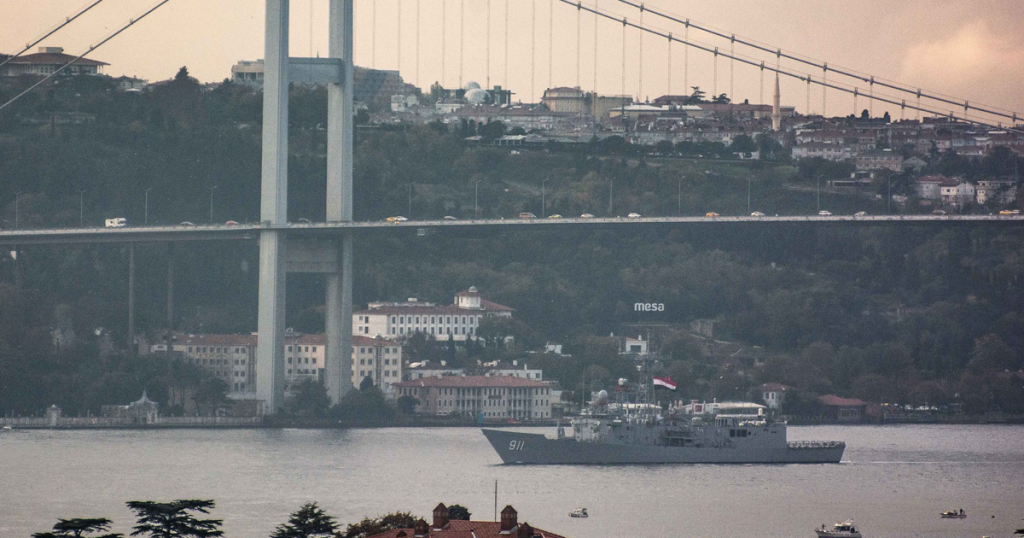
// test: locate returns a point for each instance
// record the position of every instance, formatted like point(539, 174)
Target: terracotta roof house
point(444, 527)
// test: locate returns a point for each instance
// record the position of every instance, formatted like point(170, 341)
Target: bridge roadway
point(222, 232)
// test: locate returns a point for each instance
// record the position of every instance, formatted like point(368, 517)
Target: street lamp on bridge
point(476, 199)
point(17, 198)
point(146, 218)
point(81, 208)
point(213, 188)
point(543, 199)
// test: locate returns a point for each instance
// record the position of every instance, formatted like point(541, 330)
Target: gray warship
point(639, 432)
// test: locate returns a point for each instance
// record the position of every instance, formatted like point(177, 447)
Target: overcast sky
point(972, 50)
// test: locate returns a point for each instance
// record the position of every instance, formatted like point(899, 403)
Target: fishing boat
point(954, 514)
point(845, 529)
point(579, 512)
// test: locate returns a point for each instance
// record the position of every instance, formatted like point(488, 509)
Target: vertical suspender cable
point(506, 45)
point(732, 68)
point(669, 71)
point(533, 52)
point(551, 44)
point(462, 40)
point(596, 18)
point(399, 36)
point(714, 85)
point(488, 44)
point(418, 81)
point(373, 36)
point(808, 95)
point(824, 91)
point(444, 39)
point(760, 97)
point(579, 44)
point(624, 63)
point(686, 58)
point(640, 66)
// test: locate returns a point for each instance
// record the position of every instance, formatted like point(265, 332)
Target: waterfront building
point(47, 61)
point(496, 398)
point(884, 159)
point(232, 357)
point(774, 395)
point(458, 321)
point(442, 526)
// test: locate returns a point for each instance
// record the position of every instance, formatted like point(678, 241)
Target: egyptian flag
point(665, 382)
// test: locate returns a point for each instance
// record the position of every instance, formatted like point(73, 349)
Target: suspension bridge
point(326, 248)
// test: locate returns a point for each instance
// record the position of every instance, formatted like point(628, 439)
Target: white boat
point(579, 512)
point(953, 514)
point(845, 529)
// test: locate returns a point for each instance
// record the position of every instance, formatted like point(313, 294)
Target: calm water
point(894, 482)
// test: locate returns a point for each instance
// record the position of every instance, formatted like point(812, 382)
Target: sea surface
point(893, 482)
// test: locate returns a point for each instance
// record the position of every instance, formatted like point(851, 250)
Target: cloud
point(975, 59)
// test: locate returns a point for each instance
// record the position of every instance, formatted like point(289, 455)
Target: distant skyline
point(968, 50)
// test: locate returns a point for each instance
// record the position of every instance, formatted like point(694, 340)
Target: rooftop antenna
point(495, 500)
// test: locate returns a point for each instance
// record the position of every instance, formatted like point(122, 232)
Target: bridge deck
point(251, 231)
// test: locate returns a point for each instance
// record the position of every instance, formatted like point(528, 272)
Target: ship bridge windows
point(738, 433)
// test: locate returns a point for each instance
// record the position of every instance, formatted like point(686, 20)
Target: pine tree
point(174, 519)
point(79, 528)
point(308, 522)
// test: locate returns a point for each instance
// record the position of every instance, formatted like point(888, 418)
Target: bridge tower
point(278, 255)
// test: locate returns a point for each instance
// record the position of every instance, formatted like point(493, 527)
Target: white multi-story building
point(959, 194)
point(496, 398)
point(232, 357)
point(459, 321)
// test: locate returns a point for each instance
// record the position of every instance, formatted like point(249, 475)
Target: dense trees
point(307, 522)
point(908, 313)
point(79, 528)
point(175, 519)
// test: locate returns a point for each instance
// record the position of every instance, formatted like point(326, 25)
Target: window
point(307, 348)
point(314, 360)
point(314, 349)
point(289, 360)
point(289, 348)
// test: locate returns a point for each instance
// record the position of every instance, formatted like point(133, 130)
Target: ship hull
point(532, 448)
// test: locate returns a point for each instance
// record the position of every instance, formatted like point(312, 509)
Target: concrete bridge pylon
point(278, 255)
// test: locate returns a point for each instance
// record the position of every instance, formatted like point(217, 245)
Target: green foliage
point(307, 522)
point(79, 528)
point(407, 404)
point(372, 526)
point(458, 512)
point(175, 519)
point(309, 399)
point(366, 383)
point(367, 407)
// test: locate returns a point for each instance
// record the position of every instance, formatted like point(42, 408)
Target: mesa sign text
point(649, 307)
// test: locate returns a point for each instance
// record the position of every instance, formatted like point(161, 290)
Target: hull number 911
point(516, 445)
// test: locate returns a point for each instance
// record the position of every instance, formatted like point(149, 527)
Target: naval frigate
point(639, 432)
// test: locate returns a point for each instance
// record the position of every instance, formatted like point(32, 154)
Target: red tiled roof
point(367, 341)
point(46, 58)
point(468, 529)
point(473, 381)
point(485, 306)
point(832, 400)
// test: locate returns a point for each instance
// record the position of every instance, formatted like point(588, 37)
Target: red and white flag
point(665, 382)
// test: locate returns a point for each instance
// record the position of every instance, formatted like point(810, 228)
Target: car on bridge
point(824, 213)
point(757, 214)
point(711, 214)
point(1009, 212)
point(397, 219)
point(187, 223)
point(586, 216)
point(938, 212)
point(860, 214)
point(449, 217)
point(633, 215)
point(526, 215)
point(555, 216)
point(231, 223)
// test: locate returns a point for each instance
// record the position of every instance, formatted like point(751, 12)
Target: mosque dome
point(472, 86)
point(477, 96)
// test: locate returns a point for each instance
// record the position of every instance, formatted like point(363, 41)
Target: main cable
point(60, 69)
point(779, 53)
point(66, 22)
point(801, 77)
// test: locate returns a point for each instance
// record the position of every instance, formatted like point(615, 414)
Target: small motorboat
point(579, 512)
point(845, 529)
point(954, 514)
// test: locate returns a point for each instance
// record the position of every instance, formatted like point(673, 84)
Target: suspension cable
point(779, 53)
point(801, 77)
point(60, 69)
point(66, 22)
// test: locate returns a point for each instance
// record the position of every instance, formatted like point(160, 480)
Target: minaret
point(776, 107)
